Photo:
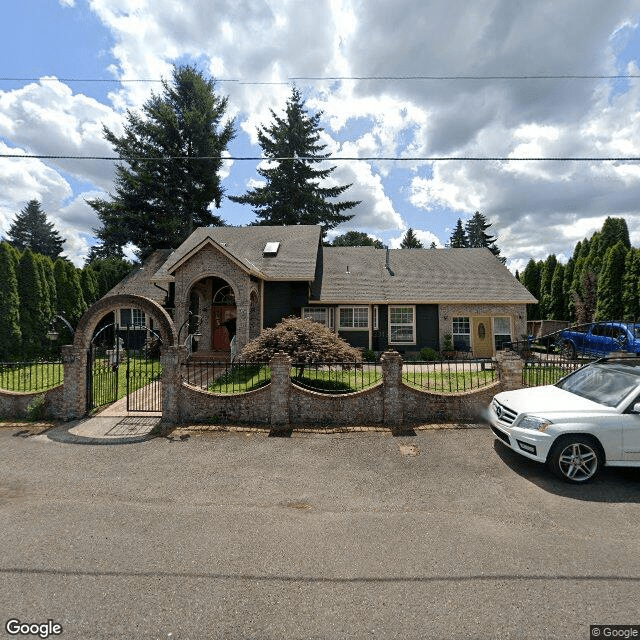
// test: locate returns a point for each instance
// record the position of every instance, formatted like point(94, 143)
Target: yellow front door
point(482, 342)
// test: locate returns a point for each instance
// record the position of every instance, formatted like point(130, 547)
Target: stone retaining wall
point(15, 404)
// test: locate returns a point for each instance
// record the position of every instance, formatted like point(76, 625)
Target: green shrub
point(429, 355)
point(369, 356)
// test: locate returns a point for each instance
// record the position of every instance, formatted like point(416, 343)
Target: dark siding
point(381, 335)
point(282, 299)
point(427, 330)
point(356, 338)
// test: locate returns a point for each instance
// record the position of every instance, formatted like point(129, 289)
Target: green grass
point(31, 377)
point(141, 373)
point(241, 379)
point(337, 380)
point(449, 381)
point(541, 375)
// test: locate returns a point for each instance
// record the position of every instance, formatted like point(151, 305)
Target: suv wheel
point(575, 459)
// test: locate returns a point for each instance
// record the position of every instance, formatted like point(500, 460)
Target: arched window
point(224, 296)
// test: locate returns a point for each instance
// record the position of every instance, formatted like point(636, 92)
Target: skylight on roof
point(271, 248)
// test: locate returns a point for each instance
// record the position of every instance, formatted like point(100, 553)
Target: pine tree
point(10, 334)
point(33, 321)
point(410, 240)
point(158, 202)
point(631, 285)
point(530, 278)
point(356, 239)
point(32, 230)
point(614, 230)
point(292, 193)
point(478, 237)
point(459, 238)
point(609, 305)
point(546, 278)
point(89, 284)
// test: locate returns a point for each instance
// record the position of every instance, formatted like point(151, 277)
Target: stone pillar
point(172, 358)
point(74, 361)
point(510, 368)
point(392, 388)
point(280, 366)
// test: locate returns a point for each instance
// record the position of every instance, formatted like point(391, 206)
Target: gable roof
point(360, 275)
point(139, 281)
point(295, 258)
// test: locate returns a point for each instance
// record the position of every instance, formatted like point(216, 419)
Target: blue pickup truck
point(599, 339)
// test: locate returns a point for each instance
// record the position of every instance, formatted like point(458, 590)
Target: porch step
point(210, 356)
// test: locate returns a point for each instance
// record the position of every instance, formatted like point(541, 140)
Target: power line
point(337, 158)
point(343, 78)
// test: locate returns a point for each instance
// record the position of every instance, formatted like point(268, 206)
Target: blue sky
point(50, 49)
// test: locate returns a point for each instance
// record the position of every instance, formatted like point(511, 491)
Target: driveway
point(238, 535)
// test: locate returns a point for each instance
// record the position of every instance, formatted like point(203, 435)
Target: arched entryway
point(81, 356)
point(213, 318)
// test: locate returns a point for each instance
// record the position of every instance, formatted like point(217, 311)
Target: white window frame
point(495, 331)
point(411, 324)
point(329, 315)
point(461, 320)
point(376, 318)
point(352, 326)
point(138, 318)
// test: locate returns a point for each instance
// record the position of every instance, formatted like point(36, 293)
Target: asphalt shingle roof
point(295, 260)
point(360, 275)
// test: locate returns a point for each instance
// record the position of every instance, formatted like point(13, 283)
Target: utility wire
point(343, 78)
point(337, 158)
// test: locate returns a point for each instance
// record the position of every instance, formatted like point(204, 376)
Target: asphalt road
point(446, 534)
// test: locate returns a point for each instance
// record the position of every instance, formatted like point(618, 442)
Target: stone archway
point(75, 355)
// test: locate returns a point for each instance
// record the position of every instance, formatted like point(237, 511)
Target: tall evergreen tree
point(530, 278)
point(476, 229)
point(356, 239)
point(292, 193)
point(411, 241)
point(614, 230)
point(557, 307)
point(585, 303)
point(631, 285)
point(109, 271)
point(32, 230)
point(71, 302)
point(609, 305)
point(10, 334)
point(34, 322)
point(459, 238)
point(546, 278)
point(89, 284)
point(169, 174)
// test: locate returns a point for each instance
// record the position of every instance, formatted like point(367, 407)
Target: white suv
point(589, 419)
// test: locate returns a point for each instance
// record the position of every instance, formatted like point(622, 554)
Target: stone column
point(172, 358)
point(74, 361)
point(392, 388)
point(510, 368)
point(280, 366)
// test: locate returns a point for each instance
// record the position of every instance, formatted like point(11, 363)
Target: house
point(239, 280)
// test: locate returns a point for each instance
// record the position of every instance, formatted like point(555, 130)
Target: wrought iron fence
point(336, 377)
point(450, 376)
point(226, 377)
point(29, 374)
point(545, 361)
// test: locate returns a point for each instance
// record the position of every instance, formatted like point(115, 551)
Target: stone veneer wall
point(281, 404)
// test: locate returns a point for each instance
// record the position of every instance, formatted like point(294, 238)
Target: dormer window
point(271, 248)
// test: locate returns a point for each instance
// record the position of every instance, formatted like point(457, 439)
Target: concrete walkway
point(113, 425)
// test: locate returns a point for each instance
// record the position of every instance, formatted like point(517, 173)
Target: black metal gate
point(102, 367)
point(143, 370)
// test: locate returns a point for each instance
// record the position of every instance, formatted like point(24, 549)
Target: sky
point(405, 82)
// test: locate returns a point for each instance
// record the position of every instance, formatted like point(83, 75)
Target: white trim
point(401, 324)
point(353, 307)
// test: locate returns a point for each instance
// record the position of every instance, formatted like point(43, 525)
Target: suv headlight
point(533, 423)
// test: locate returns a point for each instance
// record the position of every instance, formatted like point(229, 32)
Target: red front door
point(220, 334)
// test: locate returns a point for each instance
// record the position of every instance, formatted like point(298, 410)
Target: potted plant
point(447, 350)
